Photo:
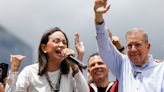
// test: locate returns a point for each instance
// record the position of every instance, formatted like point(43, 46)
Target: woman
point(53, 72)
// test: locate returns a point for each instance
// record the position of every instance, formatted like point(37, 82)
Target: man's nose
point(96, 65)
point(133, 47)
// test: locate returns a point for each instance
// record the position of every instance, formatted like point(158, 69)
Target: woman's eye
point(56, 40)
point(64, 42)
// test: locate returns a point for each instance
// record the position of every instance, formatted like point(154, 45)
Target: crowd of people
point(133, 66)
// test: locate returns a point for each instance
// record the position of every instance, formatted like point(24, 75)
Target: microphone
point(79, 63)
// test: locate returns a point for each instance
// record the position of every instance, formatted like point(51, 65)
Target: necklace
point(54, 88)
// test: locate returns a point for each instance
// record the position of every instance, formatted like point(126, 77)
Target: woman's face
point(56, 43)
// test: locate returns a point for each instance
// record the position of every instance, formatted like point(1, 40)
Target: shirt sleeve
point(81, 84)
point(111, 56)
point(12, 78)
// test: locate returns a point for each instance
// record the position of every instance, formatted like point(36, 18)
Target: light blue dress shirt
point(149, 78)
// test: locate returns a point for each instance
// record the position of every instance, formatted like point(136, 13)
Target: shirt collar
point(148, 64)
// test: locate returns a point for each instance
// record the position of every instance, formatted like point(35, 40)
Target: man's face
point(97, 68)
point(137, 49)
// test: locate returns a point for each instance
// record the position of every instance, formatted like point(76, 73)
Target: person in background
point(3, 85)
point(97, 69)
point(80, 48)
point(137, 71)
point(15, 64)
point(99, 73)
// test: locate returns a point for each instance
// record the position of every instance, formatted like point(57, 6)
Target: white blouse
point(29, 81)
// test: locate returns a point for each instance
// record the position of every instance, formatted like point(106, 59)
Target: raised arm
point(16, 62)
point(15, 65)
point(109, 53)
point(116, 41)
point(100, 7)
point(80, 48)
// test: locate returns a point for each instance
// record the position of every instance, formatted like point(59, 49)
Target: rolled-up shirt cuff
point(100, 27)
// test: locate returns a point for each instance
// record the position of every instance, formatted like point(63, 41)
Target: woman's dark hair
point(43, 58)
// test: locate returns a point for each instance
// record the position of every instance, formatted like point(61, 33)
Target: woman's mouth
point(58, 50)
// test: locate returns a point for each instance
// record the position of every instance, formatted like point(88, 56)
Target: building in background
point(10, 44)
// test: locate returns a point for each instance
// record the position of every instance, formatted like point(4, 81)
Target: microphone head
point(76, 61)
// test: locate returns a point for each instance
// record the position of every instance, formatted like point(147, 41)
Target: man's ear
point(44, 48)
point(149, 45)
point(108, 68)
